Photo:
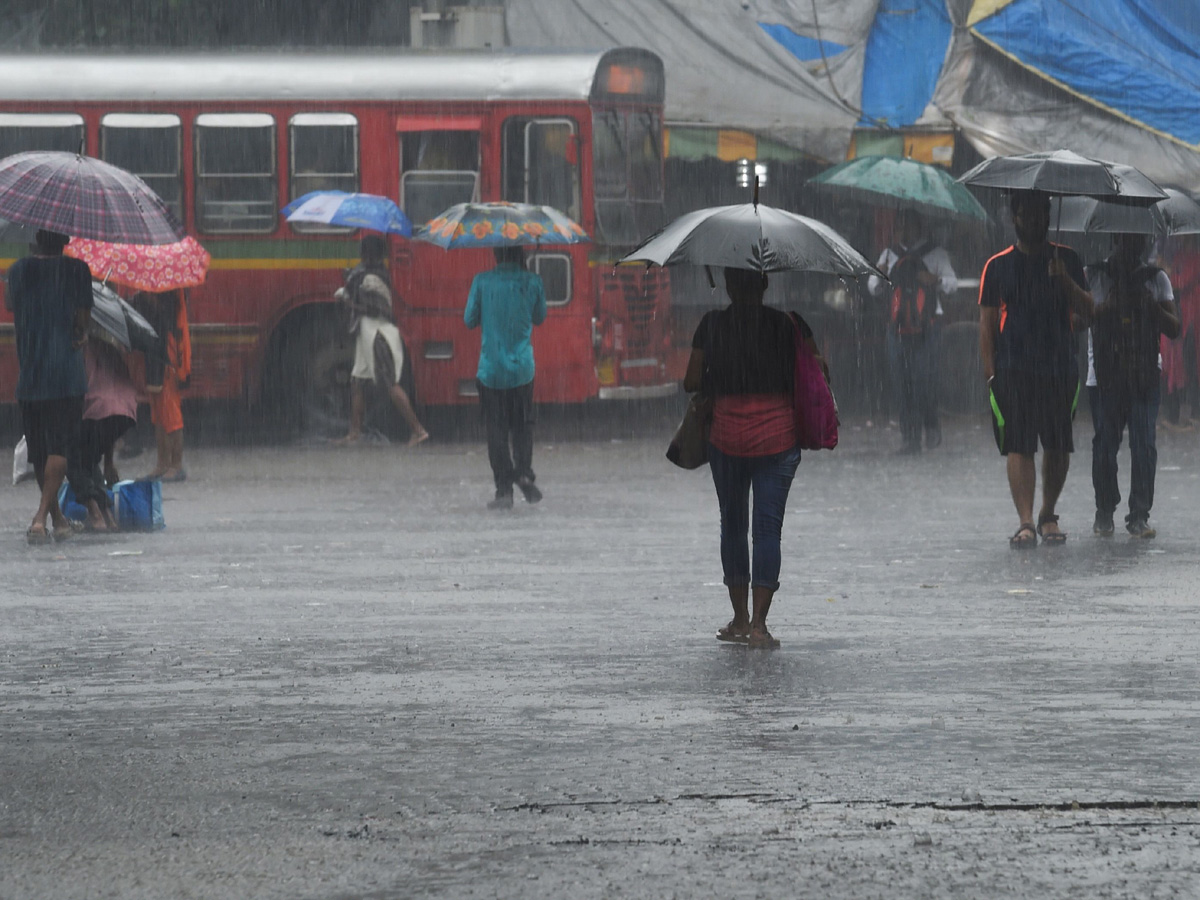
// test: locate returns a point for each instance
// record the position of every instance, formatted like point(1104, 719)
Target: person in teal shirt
point(505, 303)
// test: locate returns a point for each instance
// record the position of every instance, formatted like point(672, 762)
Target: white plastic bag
point(21, 467)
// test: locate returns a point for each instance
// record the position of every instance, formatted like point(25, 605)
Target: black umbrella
point(1064, 172)
point(749, 236)
point(117, 322)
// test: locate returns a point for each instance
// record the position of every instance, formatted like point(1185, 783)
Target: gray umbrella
point(119, 323)
point(750, 236)
point(1178, 214)
point(1064, 172)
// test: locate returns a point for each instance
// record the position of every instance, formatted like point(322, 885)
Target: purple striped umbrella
point(83, 197)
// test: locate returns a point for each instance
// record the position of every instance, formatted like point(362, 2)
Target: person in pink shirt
point(109, 410)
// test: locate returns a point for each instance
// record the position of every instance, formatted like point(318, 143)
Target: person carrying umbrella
point(1134, 306)
point(1028, 294)
point(378, 353)
point(50, 297)
point(920, 274)
point(744, 357)
point(505, 303)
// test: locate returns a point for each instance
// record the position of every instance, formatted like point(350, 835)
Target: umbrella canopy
point(1064, 172)
point(748, 236)
point(893, 181)
point(83, 197)
point(119, 323)
point(370, 211)
point(144, 267)
point(1178, 214)
point(500, 225)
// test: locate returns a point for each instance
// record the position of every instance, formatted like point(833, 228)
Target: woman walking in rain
point(743, 357)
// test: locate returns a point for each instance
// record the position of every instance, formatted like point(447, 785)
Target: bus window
point(555, 269)
point(324, 157)
point(627, 158)
point(235, 173)
point(148, 145)
point(438, 169)
point(608, 151)
point(40, 131)
point(540, 163)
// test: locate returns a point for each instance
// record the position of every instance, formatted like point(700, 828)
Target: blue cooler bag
point(139, 505)
point(71, 508)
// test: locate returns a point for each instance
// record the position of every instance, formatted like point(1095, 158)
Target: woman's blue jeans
point(771, 478)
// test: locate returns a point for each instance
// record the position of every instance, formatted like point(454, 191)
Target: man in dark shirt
point(1028, 296)
point(50, 296)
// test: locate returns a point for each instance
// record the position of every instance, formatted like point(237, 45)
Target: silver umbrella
point(750, 236)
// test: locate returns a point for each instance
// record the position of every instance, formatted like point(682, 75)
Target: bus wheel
point(960, 373)
point(324, 397)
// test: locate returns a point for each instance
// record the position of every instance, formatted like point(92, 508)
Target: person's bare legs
point(358, 406)
point(173, 444)
point(758, 621)
point(739, 625)
point(404, 407)
point(162, 454)
point(1022, 483)
point(1055, 464)
point(97, 521)
point(53, 474)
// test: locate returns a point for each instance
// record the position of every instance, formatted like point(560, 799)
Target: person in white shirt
point(921, 275)
point(1134, 305)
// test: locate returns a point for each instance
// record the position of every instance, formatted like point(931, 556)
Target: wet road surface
point(337, 675)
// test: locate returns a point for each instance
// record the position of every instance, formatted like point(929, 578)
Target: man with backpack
point(1134, 305)
point(920, 274)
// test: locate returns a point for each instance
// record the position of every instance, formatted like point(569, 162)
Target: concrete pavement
point(336, 674)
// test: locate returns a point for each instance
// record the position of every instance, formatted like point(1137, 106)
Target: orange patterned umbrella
point(144, 267)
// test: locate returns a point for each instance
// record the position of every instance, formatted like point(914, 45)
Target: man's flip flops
point(733, 635)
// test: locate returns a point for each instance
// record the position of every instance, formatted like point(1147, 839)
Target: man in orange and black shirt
point(1028, 296)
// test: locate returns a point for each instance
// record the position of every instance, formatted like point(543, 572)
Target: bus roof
point(267, 76)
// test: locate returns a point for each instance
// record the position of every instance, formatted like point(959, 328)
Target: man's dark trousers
point(508, 415)
point(913, 362)
point(1112, 410)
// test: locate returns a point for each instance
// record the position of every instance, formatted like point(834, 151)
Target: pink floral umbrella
point(144, 267)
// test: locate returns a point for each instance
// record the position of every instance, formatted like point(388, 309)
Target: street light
point(748, 169)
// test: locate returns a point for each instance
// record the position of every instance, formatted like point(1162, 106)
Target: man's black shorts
point(1026, 408)
point(51, 428)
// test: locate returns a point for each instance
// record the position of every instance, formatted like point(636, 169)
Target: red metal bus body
point(227, 139)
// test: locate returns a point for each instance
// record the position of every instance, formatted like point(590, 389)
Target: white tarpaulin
point(723, 69)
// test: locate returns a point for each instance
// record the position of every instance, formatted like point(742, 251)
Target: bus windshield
point(627, 157)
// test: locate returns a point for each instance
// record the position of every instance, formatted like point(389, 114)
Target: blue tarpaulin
point(804, 48)
point(1134, 58)
point(905, 51)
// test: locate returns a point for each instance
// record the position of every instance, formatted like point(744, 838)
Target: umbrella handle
point(756, 192)
point(711, 281)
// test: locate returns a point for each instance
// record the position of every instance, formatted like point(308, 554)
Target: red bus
point(227, 139)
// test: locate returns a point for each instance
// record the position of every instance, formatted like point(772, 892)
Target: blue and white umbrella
point(369, 211)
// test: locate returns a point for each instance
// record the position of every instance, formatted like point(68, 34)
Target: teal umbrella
point(894, 181)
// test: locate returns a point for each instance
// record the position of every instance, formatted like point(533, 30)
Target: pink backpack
point(816, 410)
